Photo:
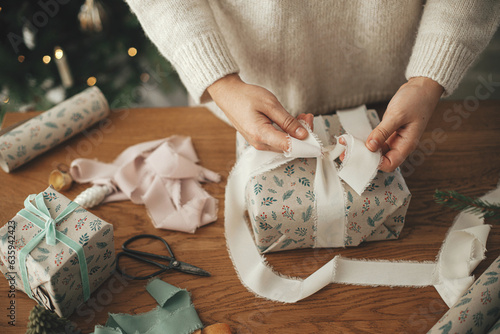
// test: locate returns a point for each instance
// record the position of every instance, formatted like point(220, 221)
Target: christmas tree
point(53, 49)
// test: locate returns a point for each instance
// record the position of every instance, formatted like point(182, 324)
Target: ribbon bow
point(359, 165)
point(39, 215)
point(462, 249)
point(357, 169)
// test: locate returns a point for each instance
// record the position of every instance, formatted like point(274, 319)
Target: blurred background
point(53, 49)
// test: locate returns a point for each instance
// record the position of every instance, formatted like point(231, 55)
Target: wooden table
point(467, 160)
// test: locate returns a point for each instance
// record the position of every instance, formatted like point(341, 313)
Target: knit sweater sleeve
point(187, 35)
point(451, 35)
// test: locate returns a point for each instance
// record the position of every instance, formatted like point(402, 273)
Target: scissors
point(173, 263)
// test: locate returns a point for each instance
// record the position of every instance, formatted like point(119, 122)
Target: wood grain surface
point(461, 151)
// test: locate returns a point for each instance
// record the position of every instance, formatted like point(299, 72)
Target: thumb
point(287, 122)
point(381, 133)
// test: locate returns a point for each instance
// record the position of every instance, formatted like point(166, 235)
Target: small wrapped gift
point(282, 201)
point(56, 252)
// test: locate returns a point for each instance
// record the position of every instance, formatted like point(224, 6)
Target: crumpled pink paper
point(162, 175)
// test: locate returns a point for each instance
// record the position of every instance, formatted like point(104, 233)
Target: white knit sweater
point(318, 56)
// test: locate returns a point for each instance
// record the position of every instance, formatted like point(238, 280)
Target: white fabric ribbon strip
point(462, 249)
point(358, 168)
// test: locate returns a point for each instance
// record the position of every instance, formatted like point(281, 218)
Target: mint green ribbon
point(175, 314)
point(41, 217)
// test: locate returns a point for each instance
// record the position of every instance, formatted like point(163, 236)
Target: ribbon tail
point(462, 250)
point(249, 264)
point(360, 165)
point(22, 261)
point(88, 170)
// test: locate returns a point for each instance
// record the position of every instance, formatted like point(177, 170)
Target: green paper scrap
point(174, 314)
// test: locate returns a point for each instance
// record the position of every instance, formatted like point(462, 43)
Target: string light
point(0, 9)
point(91, 81)
point(144, 77)
point(20, 58)
point(46, 59)
point(132, 51)
point(58, 53)
point(62, 67)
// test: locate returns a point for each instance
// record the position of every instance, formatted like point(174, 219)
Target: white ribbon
point(462, 249)
point(357, 169)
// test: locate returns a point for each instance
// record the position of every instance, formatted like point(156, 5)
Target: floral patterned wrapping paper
point(54, 271)
point(282, 206)
point(478, 310)
point(52, 127)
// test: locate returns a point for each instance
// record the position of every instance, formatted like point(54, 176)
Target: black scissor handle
point(163, 267)
point(152, 236)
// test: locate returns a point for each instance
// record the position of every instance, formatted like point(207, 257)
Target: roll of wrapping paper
point(495, 329)
point(478, 310)
point(39, 134)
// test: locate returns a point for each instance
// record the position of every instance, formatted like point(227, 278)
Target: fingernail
point(373, 145)
point(342, 141)
point(301, 132)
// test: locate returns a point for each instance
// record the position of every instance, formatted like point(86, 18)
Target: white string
point(93, 196)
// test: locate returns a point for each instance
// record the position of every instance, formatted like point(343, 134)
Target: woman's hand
point(252, 110)
point(404, 121)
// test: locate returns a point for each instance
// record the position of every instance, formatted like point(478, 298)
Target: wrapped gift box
point(281, 203)
point(53, 271)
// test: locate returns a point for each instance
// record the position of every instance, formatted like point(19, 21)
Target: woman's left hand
point(404, 121)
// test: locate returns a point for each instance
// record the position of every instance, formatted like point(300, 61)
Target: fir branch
point(461, 202)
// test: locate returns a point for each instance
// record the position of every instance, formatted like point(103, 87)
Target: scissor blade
point(190, 269)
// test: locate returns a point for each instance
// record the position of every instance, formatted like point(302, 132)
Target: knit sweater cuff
point(202, 62)
point(441, 59)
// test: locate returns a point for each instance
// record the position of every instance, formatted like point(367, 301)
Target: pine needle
point(461, 202)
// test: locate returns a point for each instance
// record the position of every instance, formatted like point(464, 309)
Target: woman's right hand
point(253, 109)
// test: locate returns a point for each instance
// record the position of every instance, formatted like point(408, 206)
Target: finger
point(400, 148)
point(285, 121)
point(308, 119)
point(272, 139)
point(381, 133)
point(385, 146)
point(391, 160)
point(265, 147)
point(342, 142)
point(342, 156)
